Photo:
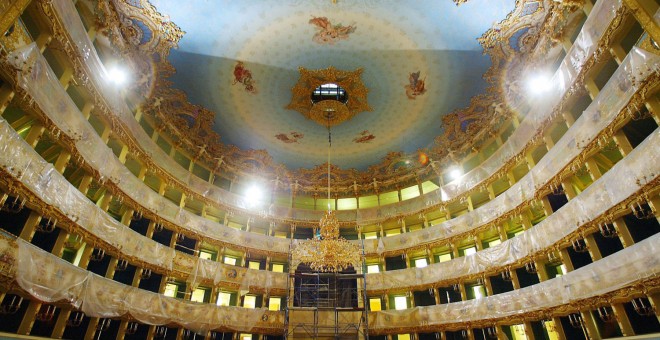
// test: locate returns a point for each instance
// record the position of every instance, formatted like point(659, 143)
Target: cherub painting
point(244, 76)
point(364, 137)
point(292, 137)
point(416, 86)
point(328, 34)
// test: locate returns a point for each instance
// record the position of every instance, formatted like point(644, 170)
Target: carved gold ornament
point(328, 252)
point(329, 112)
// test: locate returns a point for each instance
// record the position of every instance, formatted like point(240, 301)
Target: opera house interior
point(329, 169)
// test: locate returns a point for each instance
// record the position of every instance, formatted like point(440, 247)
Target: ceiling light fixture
point(253, 195)
point(327, 251)
point(117, 75)
point(455, 173)
point(539, 83)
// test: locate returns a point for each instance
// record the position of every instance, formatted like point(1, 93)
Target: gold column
point(12, 13)
point(30, 226)
point(590, 324)
point(643, 10)
point(470, 203)
point(653, 105)
point(592, 168)
point(568, 118)
point(502, 232)
point(593, 247)
point(566, 260)
point(547, 207)
point(654, 299)
point(623, 232)
point(622, 319)
point(618, 53)
point(33, 137)
point(491, 191)
point(28, 317)
point(622, 142)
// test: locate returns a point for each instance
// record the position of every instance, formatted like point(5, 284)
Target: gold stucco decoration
point(328, 112)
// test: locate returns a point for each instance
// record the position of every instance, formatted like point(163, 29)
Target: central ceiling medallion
point(329, 96)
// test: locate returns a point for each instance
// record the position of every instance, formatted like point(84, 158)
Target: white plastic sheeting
point(51, 279)
point(624, 179)
point(616, 271)
point(53, 189)
point(585, 45)
point(611, 100)
point(640, 167)
point(38, 80)
point(36, 77)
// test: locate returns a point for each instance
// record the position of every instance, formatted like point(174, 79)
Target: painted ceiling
point(240, 59)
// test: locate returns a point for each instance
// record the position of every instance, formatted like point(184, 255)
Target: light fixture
point(327, 251)
point(455, 173)
point(539, 83)
point(253, 195)
point(117, 75)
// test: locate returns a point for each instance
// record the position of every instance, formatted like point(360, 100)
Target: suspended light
point(539, 83)
point(117, 75)
point(455, 173)
point(253, 195)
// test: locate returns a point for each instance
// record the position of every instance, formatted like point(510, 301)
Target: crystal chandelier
point(327, 251)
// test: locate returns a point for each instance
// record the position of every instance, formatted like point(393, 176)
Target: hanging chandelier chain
point(328, 251)
point(329, 148)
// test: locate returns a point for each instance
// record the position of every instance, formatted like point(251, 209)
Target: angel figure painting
point(416, 86)
point(364, 137)
point(292, 137)
point(243, 76)
point(329, 34)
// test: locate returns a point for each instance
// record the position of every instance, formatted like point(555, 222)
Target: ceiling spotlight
point(117, 76)
point(253, 195)
point(455, 173)
point(539, 83)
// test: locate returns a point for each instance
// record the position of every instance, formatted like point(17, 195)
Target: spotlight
point(539, 83)
point(117, 76)
point(455, 173)
point(253, 195)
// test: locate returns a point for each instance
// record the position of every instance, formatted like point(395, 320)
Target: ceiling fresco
point(420, 60)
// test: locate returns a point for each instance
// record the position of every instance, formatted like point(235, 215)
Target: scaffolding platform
point(326, 305)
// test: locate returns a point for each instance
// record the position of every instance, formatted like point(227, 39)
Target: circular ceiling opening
point(329, 92)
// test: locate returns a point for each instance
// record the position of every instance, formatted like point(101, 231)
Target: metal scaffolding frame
point(326, 305)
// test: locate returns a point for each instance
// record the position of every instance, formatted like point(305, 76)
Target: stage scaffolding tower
point(326, 305)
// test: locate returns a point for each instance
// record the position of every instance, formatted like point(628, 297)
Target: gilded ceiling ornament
point(329, 112)
point(416, 86)
point(137, 25)
point(244, 76)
